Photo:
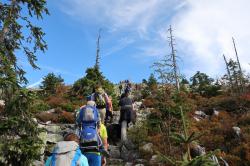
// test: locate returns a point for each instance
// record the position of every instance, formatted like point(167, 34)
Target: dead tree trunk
point(97, 60)
point(174, 59)
point(241, 79)
point(229, 75)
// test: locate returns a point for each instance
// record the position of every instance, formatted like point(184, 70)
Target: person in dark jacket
point(126, 105)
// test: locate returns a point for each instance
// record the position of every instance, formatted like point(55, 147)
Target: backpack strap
point(77, 156)
point(53, 158)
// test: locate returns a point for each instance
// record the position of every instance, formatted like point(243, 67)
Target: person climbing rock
point(67, 153)
point(120, 88)
point(93, 134)
point(109, 111)
point(104, 136)
point(90, 141)
point(126, 108)
point(101, 100)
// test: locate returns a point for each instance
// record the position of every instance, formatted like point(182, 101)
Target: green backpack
point(100, 100)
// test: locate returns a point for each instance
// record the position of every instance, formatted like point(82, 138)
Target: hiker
point(90, 142)
point(101, 100)
point(120, 88)
point(104, 136)
point(126, 109)
point(109, 111)
point(67, 153)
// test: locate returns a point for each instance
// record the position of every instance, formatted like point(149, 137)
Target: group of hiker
point(89, 146)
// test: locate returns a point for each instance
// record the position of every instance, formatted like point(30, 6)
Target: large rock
point(237, 130)
point(116, 117)
point(114, 152)
point(43, 137)
point(53, 128)
point(129, 155)
point(141, 161)
point(129, 164)
point(129, 144)
point(54, 138)
point(147, 148)
point(137, 105)
point(200, 113)
point(114, 162)
point(2, 104)
point(197, 150)
point(38, 163)
point(154, 160)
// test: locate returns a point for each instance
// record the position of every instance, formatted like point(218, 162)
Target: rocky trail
point(120, 153)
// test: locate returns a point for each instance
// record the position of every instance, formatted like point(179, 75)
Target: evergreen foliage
point(19, 142)
point(84, 87)
point(201, 83)
point(150, 86)
point(50, 83)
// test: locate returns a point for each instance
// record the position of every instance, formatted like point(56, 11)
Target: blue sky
point(134, 36)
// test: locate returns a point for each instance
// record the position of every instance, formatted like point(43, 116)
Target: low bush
point(138, 134)
point(68, 107)
point(40, 105)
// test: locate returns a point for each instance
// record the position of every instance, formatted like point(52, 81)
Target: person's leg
point(89, 157)
point(94, 159)
point(124, 131)
point(97, 160)
point(102, 113)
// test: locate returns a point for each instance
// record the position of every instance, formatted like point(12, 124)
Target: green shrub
point(68, 107)
point(138, 134)
point(39, 106)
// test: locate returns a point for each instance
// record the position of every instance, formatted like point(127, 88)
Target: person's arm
point(111, 106)
point(106, 98)
point(104, 137)
point(79, 118)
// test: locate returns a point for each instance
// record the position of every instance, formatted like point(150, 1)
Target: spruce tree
point(19, 142)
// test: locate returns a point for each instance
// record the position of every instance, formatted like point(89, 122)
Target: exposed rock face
point(137, 105)
point(147, 148)
point(129, 155)
point(54, 138)
point(114, 162)
point(115, 151)
point(2, 104)
point(38, 163)
point(197, 150)
point(154, 160)
point(119, 152)
point(237, 130)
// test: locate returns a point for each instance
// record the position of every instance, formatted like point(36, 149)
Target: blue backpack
point(89, 137)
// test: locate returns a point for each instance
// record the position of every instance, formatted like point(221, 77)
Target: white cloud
point(58, 71)
point(204, 29)
point(135, 15)
point(123, 42)
point(35, 84)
